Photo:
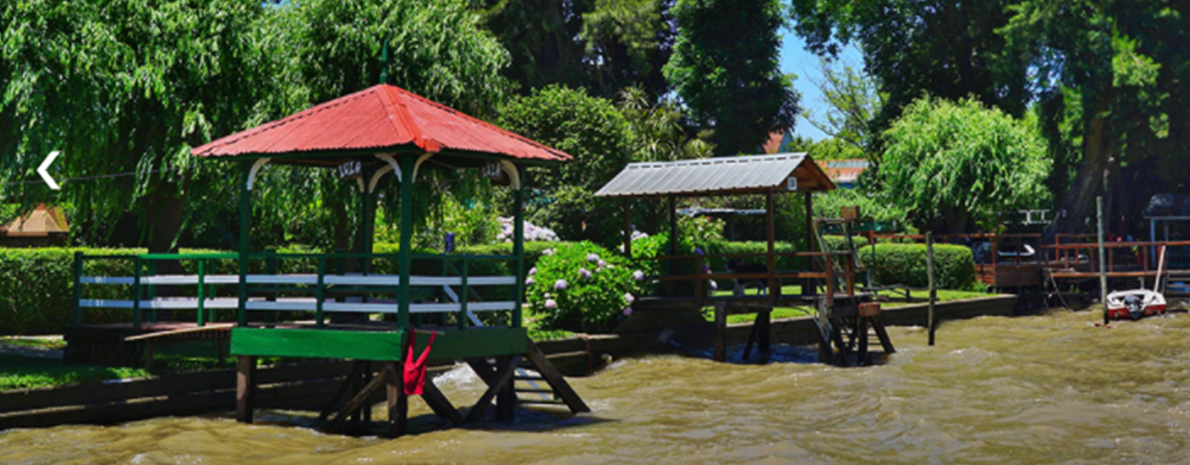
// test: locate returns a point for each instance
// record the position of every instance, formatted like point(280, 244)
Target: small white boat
point(1138, 303)
point(1134, 304)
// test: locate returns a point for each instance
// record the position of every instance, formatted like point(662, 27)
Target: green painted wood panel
point(474, 342)
point(313, 343)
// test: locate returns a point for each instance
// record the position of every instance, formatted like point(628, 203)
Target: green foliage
point(623, 40)
point(853, 101)
point(952, 162)
point(657, 129)
point(597, 136)
point(725, 67)
point(954, 265)
point(582, 287)
point(947, 48)
point(829, 205)
point(699, 230)
point(35, 289)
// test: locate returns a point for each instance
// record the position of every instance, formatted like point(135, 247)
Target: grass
point(793, 312)
point(38, 343)
point(26, 373)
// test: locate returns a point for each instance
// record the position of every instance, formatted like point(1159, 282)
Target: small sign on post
point(495, 171)
point(351, 169)
point(849, 213)
point(791, 184)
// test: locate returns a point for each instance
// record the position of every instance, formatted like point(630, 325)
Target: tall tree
point(1098, 76)
point(947, 48)
point(853, 101)
point(627, 44)
point(725, 67)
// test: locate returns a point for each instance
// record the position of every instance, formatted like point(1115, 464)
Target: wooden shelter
point(766, 175)
point(42, 227)
point(364, 136)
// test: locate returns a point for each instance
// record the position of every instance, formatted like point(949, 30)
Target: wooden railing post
point(464, 293)
point(201, 292)
point(78, 287)
point(320, 292)
point(136, 313)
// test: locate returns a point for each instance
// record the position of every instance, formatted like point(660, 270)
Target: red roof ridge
point(498, 129)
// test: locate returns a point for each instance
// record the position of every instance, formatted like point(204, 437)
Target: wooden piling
point(720, 331)
point(1102, 268)
point(245, 388)
point(933, 284)
point(398, 402)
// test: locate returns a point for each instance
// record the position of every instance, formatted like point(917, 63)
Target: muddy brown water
point(1043, 389)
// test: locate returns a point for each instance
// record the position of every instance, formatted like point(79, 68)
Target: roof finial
point(384, 63)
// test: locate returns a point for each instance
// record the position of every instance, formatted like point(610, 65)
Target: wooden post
point(808, 285)
point(772, 262)
point(764, 318)
point(627, 228)
point(1102, 269)
point(673, 242)
point(518, 245)
point(506, 399)
point(245, 388)
point(245, 232)
point(933, 285)
point(398, 402)
point(720, 331)
point(78, 287)
point(405, 255)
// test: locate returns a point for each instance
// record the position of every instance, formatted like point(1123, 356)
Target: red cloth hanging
point(415, 369)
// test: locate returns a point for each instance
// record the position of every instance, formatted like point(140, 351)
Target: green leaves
point(725, 68)
point(952, 162)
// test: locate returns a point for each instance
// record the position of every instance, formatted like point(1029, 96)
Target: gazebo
point(841, 310)
point(365, 136)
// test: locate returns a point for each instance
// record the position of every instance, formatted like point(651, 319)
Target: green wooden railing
point(145, 279)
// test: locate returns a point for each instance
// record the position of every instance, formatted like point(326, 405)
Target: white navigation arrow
point(45, 176)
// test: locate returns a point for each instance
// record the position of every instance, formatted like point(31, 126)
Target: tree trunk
point(1098, 145)
point(165, 212)
point(956, 223)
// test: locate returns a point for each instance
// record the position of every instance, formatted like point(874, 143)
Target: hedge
point(954, 266)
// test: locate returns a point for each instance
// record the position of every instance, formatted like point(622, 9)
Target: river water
point(1043, 389)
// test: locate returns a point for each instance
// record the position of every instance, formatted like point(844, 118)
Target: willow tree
point(331, 48)
point(952, 163)
point(123, 89)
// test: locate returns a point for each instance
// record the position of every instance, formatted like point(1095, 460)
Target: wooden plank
point(499, 382)
point(555, 379)
point(313, 343)
point(475, 342)
point(440, 404)
point(339, 393)
point(175, 332)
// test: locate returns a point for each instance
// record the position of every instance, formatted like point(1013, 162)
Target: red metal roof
point(379, 117)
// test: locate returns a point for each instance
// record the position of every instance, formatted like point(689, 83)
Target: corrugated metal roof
point(380, 117)
point(710, 176)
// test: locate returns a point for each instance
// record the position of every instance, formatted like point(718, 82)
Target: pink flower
point(584, 273)
point(529, 282)
point(714, 285)
point(592, 257)
point(628, 311)
point(532, 271)
point(629, 298)
point(638, 275)
point(550, 304)
point(560, 285)
point(602, 263)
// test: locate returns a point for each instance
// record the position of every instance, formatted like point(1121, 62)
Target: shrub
point(954, 266)
point(582, 287)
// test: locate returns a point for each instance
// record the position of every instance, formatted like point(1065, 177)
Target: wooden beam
point(339, 393)
point(720, 331)
point(555, 379)
point(773, 289)
point(499, 382)
point(506, 399)
point(354, 404)
point(245, 388)
point(440, 404)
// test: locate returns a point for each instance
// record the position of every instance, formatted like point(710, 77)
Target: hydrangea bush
point(532, 232)
point(583, 287)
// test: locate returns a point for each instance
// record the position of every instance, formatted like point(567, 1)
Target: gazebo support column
point(405, 256)
point(245, 240)
point(627, 228)
point(367, 227)
point(673, 240)
point(518, 244)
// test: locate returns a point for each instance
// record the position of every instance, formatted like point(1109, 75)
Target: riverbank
point(301, 386)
